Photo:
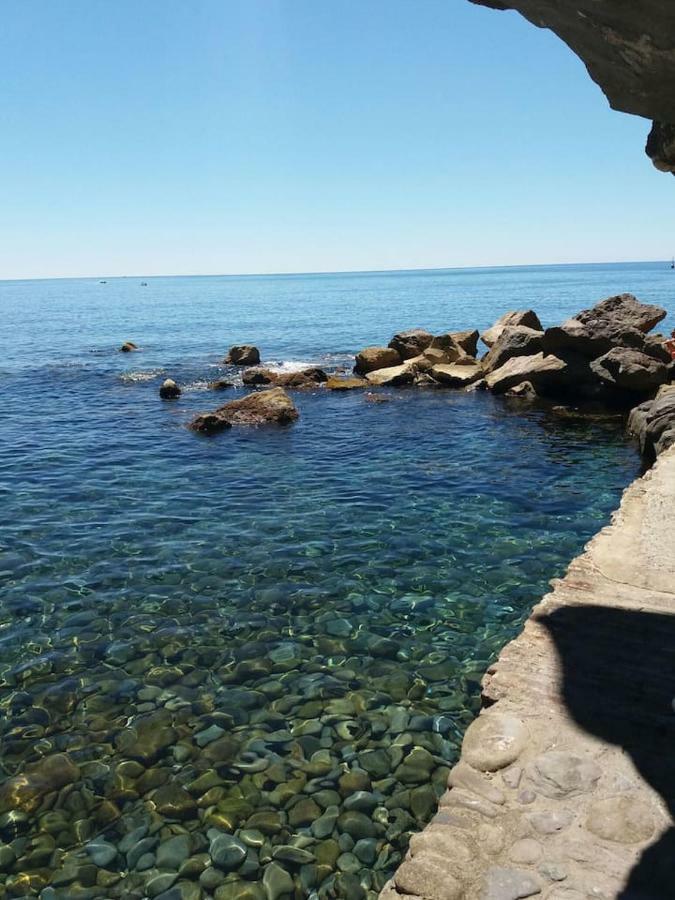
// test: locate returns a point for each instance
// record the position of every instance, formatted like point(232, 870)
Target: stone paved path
point(566, 785)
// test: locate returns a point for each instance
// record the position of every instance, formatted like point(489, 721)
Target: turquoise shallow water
point(265, 646)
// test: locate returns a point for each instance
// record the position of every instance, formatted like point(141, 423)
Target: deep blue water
point(318, 593)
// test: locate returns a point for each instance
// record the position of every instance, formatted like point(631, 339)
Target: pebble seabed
point(279, 746)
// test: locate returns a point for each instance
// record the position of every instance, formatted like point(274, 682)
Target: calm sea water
point(240, 667)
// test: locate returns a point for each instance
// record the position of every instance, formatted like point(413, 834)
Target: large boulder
point(467, 340)
point(458, 374)
point(263, 407)
point(392, 375)
point(630, 370)
point(448, 344)
point(526, 317)
point(515, 340)
point(620, 321)
point(538, 369)
point(411, 343)
point(243, 355)
point(372, 358)
point(653, 422)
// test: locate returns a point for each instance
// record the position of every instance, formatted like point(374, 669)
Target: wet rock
point(264, 407)
point(227, 852)
point(128, 347)
point(526, 317)
point(277, 882)
point(25, 792)
point(169, 390)
point(539, 370)
point(493, 741)
point(174, 802)
point(623, 819)
point(172, 854)
point(335, 383)
point(372, 358)
point(514, 340)
point(243, 355)
point(394, 376)
point(304, 812)
point(101, 853)
point(294, 855)
point(376, 763)
point(356, 825)
point(257, 375)
point(307, 378)
point(411, 343)
point(220, 384)
point(630, 370)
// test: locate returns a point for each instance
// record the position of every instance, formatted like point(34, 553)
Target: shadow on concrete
point(619, 684)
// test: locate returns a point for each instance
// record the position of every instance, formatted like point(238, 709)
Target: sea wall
point(565, 785)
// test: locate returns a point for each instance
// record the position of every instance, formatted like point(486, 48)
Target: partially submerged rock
point(169, 390)
point(526, 317)
point(220, 384)
point(128, 347)
point(372, 358)
point(243, 355)
point(538, 369)
point(630, 370)
point(258, 375)
point(347, 383)
point(411, 343)
point(305, 378)
point(269, 406)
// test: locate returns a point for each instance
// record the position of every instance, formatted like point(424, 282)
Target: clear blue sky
point(218, 136)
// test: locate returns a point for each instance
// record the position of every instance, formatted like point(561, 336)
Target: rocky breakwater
point(564, 788)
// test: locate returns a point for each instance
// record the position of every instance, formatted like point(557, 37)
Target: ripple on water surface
point(243, 666)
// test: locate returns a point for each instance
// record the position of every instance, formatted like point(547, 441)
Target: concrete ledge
point(566, 783)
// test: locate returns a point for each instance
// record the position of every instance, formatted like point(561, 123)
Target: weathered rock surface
point(169, 390)
point(263, 407)
point(457, 375)
point(653, 423)
point(467, 340)
point(411, 343)
point(393, 375)
point(526, 317)
point(128, 347)
point(257, 375)
point(565, 783)
point(243, 355)
point(630, 370)
point(629, 51)
point(348, 383)
point(306, 378)
point(372, 358)
point(514, 340)
point(538, 370)
point(620, 321)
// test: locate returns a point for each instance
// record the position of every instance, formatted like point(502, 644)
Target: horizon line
point(332, 271)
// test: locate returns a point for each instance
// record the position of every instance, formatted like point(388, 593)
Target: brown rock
point(411, 343)
point(526, 317)
point(243, 355)
point(169, 390)
point(630, 370)
point(449, 346)
point(174, 802)
point(220, 384)
point(345, 384)
point(393, 375)
point(270, 406)
point(457, 375)
point(372, 358)
point(467, 340)
point(538, 370)
point(514, 340)
point(128, 347)
point(258, 375)
point(25, 792)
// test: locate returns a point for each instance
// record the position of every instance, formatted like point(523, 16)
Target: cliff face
point(628, 47)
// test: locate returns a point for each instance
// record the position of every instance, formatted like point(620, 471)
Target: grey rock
point(514, 340)
point(493, 741)
point(559, 774)
point(227, 852)
point(172, 854)
point(509, 884)
point(630, 370)
point(101, 853)
point(550, 821)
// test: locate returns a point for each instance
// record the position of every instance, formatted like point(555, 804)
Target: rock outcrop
point(260, 408)
point(653, 423)
point(514, 340)
point(628, 47)
point(243, 355)
point(630, 370)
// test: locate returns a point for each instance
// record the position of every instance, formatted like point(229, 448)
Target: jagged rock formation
point(628, 47)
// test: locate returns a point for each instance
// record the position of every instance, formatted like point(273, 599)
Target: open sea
point(241, 666)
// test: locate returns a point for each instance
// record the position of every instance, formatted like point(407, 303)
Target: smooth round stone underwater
point(241, 667)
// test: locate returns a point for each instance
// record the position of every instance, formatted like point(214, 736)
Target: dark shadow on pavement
point(619, 685)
